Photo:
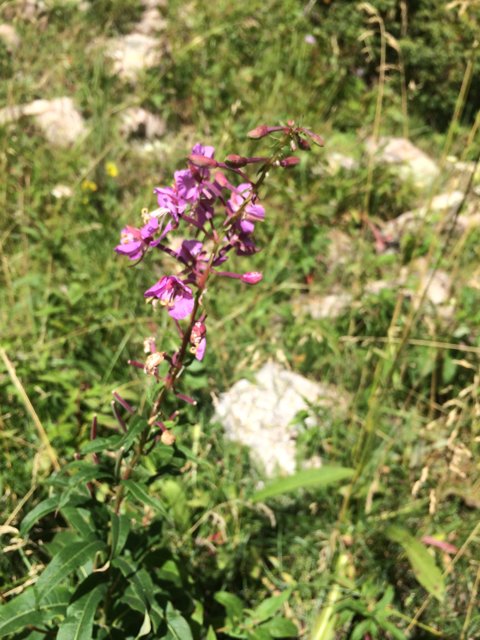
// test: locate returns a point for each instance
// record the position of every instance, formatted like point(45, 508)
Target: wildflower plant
point(105, 575)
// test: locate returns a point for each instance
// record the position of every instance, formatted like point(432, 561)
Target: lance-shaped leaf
point(27, 609)
point(78, 624)
point(426, 571)
point(306, 479)
point(70, 558)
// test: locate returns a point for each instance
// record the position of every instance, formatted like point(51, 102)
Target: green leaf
point(282, 628)
point(135, 428)
point(362, 628)
point(270, 606)
point(41, 510)
point(426, 571)
point(26, 609)
point(101, 444)
point(177, 625)
point(138, 579)
point(232, 603)
point(260, 633)
point(139, 492)
point(78, 624)
point(79, 519)
point(306, 479)
point(120, 526)
point(146, 626)
point(391, 628)
point(71, 557)
point(211, 635)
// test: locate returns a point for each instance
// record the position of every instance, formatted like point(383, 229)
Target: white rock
point(447, 201)
point(61, 191)
point(340, 248)
point(142, 124)
point(61, 123)
point(31, 9)
point(337, 161)
point(59, 120)
point(133, 53)
point(412, 162)
point(332, 305)
point(412, 220)
point(9, 36)
point(439, 286)
point(260, 414)
point(152, 22)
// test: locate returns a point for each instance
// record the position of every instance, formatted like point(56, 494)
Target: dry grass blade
point(29, 407)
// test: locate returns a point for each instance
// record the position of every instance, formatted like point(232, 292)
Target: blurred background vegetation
point(72, 314)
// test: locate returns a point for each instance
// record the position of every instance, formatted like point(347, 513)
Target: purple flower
point(242, 243)
point(173, 294)
point(190, 252)
point(190, 183)
point(134, 242)
point(187, 186)
point(252, 212)
point(170, 202)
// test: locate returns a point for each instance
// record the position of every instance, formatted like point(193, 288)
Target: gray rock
point(448, 203)
point(10, 37)
point(61, 123)
point(260, 414)
point(338, 161)
point(141, 124)
point(332, 305)
point(412, 162)
point(133, 53)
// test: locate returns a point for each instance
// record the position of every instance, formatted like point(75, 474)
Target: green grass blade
point(306, 479)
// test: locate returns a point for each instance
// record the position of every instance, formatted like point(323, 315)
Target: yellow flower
point(111, 169)
point(89, 185)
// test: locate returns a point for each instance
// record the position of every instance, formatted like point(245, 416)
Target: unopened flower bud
point(258, 132)
point(314, 137)
point(167, 438)
point(290, 161)
point(252, 277)
point(233, 160)
point(303, 144)
point(262, 131)
point(202, 161)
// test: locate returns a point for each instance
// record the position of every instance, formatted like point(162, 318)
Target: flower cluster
point(201, 219)
point(197, 195)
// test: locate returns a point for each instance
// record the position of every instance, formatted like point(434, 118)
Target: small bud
point(252, 277)
point(262, 131)
point(233, 160)
point(314, 137)
point(123, 402)
point(202, 161)
point(290, 161)
point(259, 132)
point(167, 438)
point(303, 144)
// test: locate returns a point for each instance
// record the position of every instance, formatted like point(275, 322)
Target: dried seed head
point(152, 362)
point(167, 438)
